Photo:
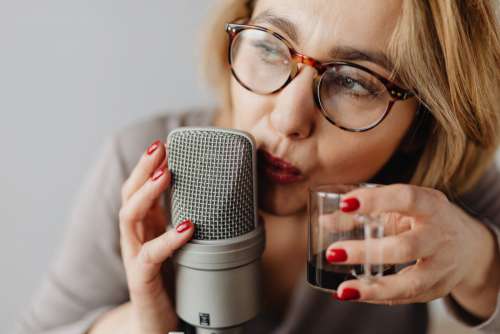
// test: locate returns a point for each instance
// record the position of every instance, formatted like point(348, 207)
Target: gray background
point(72, 72)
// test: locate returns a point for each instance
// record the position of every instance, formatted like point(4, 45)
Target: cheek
point(248, 107)
point(357, 157)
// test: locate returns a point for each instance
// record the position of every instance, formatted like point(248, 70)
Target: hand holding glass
point(328, 224)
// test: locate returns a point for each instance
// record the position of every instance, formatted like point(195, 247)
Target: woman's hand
point(453, 252)
point(145, 243)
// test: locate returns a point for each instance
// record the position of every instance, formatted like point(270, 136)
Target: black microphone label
point(204, 319)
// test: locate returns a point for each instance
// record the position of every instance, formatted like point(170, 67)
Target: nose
point(294, 113)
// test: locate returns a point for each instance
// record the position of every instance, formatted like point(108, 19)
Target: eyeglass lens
point(351, 97)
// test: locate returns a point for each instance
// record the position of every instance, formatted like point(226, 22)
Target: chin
point(282, 200)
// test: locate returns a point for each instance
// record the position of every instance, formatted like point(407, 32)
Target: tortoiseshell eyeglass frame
point(397, 93)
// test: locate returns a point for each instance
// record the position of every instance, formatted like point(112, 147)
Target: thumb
point(157, 250)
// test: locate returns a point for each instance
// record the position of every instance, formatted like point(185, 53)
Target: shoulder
point(130, 141)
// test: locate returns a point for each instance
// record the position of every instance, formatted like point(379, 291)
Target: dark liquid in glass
point(322, 274)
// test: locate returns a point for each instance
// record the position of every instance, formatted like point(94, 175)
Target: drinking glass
point(328, 224)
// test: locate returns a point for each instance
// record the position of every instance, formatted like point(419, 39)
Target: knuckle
point(439, 196)
point(125, 190)
point(151, 194)
point(126, 215)
point(440, 290)
point(415, 287)
point(407, 248)
point(146, 254)
point(408, 196)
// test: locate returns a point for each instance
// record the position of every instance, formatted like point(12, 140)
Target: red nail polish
point(184, 226)
point(349, 294)
point(349, 204)
point(153, 147)
point(336, 255)
point(157, 174)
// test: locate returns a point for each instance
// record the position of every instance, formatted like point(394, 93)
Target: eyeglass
point(350, 96)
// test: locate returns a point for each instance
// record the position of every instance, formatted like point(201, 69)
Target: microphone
point(217, 273)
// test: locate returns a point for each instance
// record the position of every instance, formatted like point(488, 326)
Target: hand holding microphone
point(145, 243)
point(218, 276)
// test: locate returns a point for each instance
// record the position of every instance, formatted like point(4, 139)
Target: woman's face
point(289, 126)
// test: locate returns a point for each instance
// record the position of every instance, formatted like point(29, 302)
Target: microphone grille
point(213, 181)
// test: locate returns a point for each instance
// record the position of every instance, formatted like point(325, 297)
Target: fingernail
point(153, 147)
point(349, 294)
point(157, 174)
point(336, 255)
point(349, 204)
point(184, 226)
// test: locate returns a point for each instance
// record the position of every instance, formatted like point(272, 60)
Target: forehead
point(323, 24)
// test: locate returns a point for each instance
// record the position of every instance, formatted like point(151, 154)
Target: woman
point(404, 93)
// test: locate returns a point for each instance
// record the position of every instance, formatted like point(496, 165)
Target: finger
point(395, 223)
point(394, 249)
point(411, 285)
point(401, 198)
point(137, 207)
point(151, 160)
point(432, 293)
point(440, 288)
point(159, 249)
point(337, 222)
point(157, 218)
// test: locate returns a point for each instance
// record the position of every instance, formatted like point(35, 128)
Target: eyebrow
point(338, 52)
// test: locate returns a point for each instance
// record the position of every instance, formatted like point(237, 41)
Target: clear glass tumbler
point(328, 224)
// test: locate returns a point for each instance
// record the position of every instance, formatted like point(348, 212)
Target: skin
point(435, 234)
point(288, 125)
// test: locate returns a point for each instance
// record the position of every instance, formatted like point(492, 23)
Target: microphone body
point(217, 274)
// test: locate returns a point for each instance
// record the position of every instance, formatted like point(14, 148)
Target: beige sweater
point(87, 277)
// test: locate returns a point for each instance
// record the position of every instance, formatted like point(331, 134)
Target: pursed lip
point(277, 169)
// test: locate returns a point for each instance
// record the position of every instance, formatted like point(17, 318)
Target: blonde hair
point(448, 52)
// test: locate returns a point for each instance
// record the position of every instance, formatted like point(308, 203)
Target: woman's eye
point(355, 87)
point(268, 52)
